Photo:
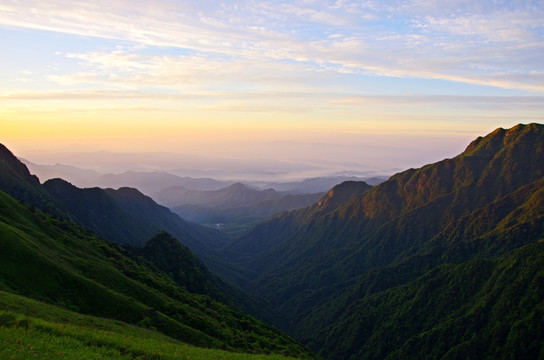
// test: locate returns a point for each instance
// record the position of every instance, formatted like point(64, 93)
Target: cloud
point(528, 102)
point(462, 41)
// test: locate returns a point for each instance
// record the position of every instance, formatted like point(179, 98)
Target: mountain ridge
point(17, 181)
point(449, 212)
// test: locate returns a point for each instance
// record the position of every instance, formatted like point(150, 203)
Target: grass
point(31, 329)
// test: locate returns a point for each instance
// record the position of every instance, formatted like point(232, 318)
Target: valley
point(435, 262)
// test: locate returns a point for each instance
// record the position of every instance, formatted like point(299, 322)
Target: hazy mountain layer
point(152, 182)
point(234, 206)
point(319, 184)
point(232, 196)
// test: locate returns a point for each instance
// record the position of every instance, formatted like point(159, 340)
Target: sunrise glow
point(219, 78)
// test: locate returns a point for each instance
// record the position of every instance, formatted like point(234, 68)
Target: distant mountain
point(318, 184)
point(232, 196)
point(72, 174)
point(234, 206)
point(341, 273)
point(265, 236)
point(61, 263)
point(152, 182)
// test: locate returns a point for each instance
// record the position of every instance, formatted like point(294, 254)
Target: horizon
point(324, 85)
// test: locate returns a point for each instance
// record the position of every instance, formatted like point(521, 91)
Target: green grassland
point(32, 329)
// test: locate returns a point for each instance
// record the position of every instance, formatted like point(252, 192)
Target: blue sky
point(182, 75)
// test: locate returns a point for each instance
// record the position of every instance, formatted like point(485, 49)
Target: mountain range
point(161, 285)
point(151, 182)
point(233, 207)
point(335, 269)
point(441, 262)
point(127, 215)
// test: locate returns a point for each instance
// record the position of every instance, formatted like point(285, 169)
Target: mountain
point(17, 181)
point(94, 208)
point(59, 262)
point(34, 329)
point(232, 196)
point(170, 257)
point(127, 216)
point(334, 270)
point(77, 176)
point(444, 261)
point(264, 236)
point(152, 182)
point(233, 207)
point(490, 308)
point(200, 239)
point(318, 184)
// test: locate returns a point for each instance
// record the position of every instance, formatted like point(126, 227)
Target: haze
point(305, 87)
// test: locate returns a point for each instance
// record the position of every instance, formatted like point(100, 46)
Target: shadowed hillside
point(482, 204)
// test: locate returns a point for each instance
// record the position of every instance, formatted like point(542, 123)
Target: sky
point(374, 84)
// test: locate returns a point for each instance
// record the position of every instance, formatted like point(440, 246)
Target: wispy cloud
point(463, 41)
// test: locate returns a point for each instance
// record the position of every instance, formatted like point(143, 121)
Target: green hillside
point(169, 256)
point(128, 217)
point(32, 329)
point(59, 262)
point(479, 309)
point(314, 265)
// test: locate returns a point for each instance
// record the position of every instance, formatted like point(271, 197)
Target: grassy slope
point(59, 262)
point(31, 329)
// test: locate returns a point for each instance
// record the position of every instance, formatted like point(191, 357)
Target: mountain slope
point(16, 180)
point(483, 204)
point(60, 262)
point(200, 239)
point(127, 216)
point(94, 208)
point(33, 329)
point(485, 308)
